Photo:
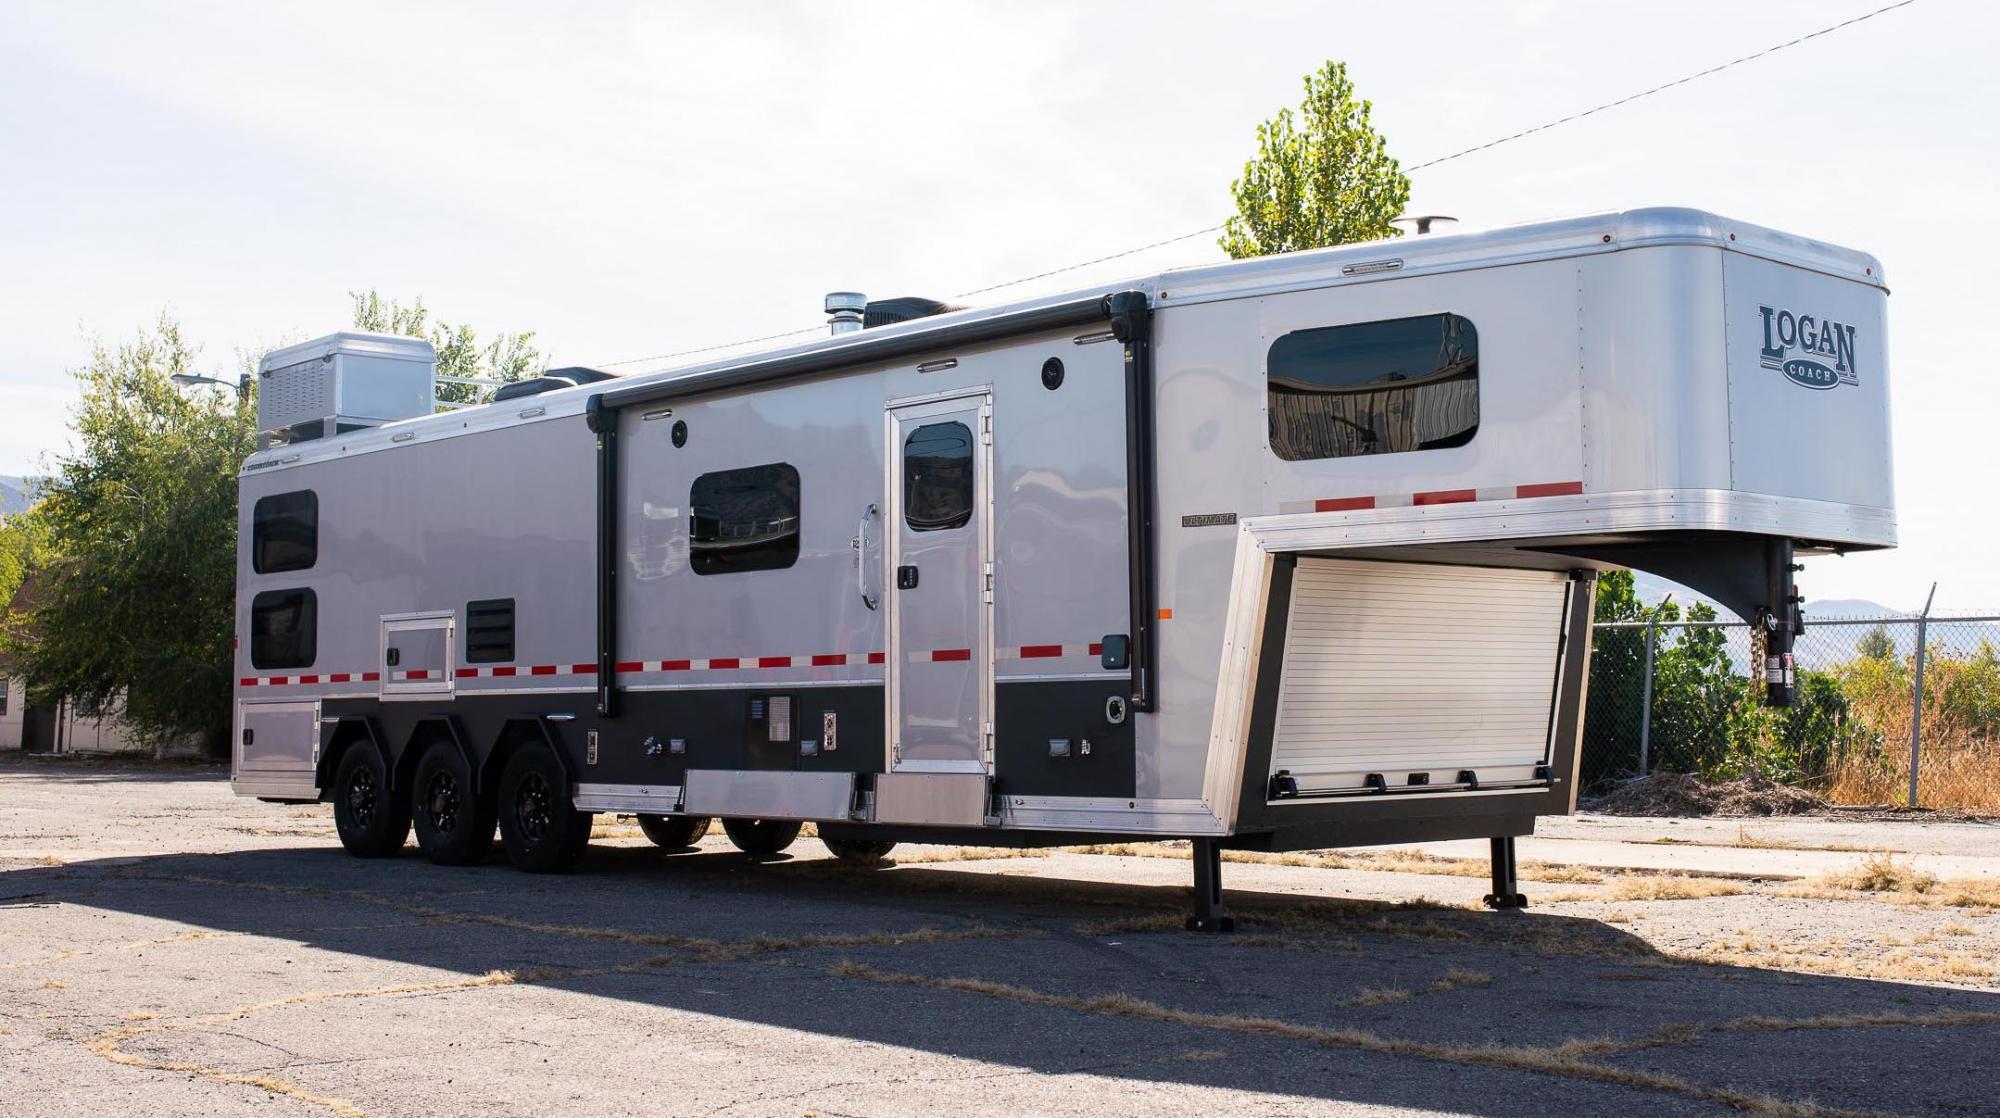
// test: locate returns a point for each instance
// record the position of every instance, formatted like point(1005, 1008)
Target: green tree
point(137, 567)
point(1327, 180)
point(24, 545)
point(1876, 644)
point(508, 357)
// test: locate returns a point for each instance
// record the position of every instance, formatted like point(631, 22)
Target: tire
point(858, 852)
point(761, 837)
point(542, 831)
point(371, 822)
point(454, 824)
point(674, 832)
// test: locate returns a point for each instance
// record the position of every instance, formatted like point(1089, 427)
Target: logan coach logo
point(1787, 334)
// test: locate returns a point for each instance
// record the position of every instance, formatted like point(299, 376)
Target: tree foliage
point(507, 357)
point(1322, 178)
point(24, 545)
point(1706, 715)
point(136, 569)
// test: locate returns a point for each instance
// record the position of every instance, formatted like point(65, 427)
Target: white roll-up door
point(1395, 669)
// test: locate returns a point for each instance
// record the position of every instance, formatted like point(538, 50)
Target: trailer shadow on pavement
point(652, 977)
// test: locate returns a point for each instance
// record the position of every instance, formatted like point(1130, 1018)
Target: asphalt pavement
point(168, 949)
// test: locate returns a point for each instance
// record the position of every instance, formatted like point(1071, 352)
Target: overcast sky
point(632, 179)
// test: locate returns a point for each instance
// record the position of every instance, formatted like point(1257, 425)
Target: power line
point(713, 348)
point(1525, 132)
point(1626, 100)
point(1669, 85)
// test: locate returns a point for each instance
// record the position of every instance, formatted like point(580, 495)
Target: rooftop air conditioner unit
point(343, 382)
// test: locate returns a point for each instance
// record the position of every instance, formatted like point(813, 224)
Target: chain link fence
point(1902, 710)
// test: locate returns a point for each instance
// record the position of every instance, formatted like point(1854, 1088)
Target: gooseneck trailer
point(1280, 553)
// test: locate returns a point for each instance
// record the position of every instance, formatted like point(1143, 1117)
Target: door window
point(937, 477)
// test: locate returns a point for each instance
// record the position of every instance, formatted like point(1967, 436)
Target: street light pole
point(242, 385)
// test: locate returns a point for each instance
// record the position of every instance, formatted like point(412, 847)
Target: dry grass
point(1655, 887)
point(1960, 768)
point(1567, 1061)
point(1459, 978)
point(1883, 877)
point(1882, 961)
point(1381, 995)
point(1747, 841)
point(1882, 873)
point(1669, 887)
point(966, 854)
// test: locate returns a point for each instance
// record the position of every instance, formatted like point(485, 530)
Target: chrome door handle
point(861, 559)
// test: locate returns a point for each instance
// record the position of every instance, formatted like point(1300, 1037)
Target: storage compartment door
point(1402, 677)
point(277, 738)
point(419, 655)
point(277, 749)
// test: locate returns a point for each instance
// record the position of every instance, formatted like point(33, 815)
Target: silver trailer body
point(1282, 552)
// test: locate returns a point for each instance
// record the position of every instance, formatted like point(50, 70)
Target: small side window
point(1374, 388)
point(937, 477)
point(489, 631)
point(284, 629)
point(744, 520)
point(284, 532)
point(6, 692)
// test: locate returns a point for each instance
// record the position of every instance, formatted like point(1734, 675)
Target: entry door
point(940, 584)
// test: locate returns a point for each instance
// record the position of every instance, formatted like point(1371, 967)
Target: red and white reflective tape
point(712, 664)
point(331, 677)
point(504, 671)
point(1047, 651)
point(1436, 497)
point(751, 663)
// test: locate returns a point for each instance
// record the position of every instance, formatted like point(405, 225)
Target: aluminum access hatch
point(1404, 677)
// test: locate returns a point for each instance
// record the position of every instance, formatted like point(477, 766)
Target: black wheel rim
point(442, 801)
point(361, 797)
point(534, 807)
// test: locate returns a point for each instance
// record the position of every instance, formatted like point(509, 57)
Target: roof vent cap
point(844, 310)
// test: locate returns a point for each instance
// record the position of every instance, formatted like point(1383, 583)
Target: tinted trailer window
point(1374, 388)
point(284, 629)
point(284, 532)
point(744, 520)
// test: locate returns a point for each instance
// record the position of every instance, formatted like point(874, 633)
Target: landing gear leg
point(1208, 915)
point(1506, 886)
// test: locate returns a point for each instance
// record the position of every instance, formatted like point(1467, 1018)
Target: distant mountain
point(1651, 588)
point(1849, 607)
point(17, 493)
